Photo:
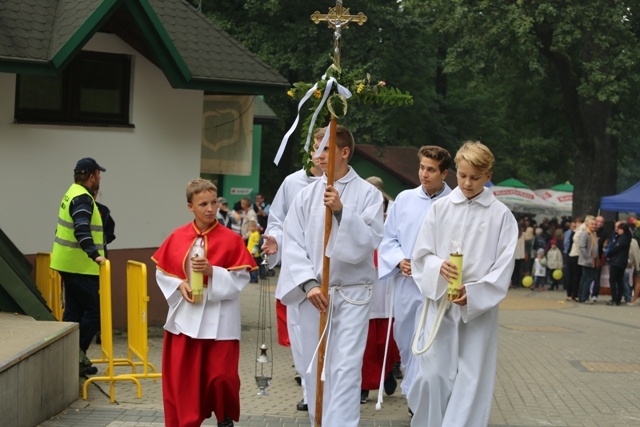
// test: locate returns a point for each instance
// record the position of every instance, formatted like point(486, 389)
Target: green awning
point(512, 182)
point(566, 187)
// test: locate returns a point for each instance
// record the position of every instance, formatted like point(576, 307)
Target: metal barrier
point(49, 283)
point(106, 335)
point(137, 299)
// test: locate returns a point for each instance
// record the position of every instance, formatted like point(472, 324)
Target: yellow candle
point(452, 289)
point(196, 285)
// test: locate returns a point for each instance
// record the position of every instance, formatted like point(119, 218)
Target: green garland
point(363, 90)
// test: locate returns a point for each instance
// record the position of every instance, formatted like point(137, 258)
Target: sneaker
point(364, 396)
point(636, 302)
point(594, 300)
point(228, 422)
point(589, 301)
point(390, 384)
point(301, 406)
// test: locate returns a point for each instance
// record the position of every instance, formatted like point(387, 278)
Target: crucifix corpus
point(338, 18)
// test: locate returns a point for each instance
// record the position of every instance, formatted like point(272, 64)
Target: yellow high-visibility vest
point(67, 255)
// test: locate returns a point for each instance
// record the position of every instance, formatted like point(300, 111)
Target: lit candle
point(455, 256)
point(197, 280)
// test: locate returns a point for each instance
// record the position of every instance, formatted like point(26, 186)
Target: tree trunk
point(594, 150)
point(595, 165)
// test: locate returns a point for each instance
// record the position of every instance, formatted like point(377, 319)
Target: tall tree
point(586, 49)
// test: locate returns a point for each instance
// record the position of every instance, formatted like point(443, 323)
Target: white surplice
point(287, 192)
point(350, 249)
point(455, 378)
point(217, 316)
point(400, 231)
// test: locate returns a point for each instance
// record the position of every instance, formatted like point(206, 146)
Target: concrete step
point(38, 368)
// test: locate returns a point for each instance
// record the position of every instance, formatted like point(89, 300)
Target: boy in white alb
point(454, 383)
point(357, 225)
point(287, 316)
point(400, 232)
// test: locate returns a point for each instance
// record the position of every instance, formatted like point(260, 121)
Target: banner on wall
point(227, 135)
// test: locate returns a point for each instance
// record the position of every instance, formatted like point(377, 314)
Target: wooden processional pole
point(337, 18)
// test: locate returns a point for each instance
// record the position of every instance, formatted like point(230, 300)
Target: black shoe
point(298, 379)
point(390, 384)
point(228, 422)
point(364, 395)
point(397, 372)
point(88, 370)
point(301, 406)
point(410, 412)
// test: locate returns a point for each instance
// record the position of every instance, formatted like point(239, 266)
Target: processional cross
point(338, 18)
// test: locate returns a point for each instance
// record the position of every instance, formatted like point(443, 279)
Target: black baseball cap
point(87, 164)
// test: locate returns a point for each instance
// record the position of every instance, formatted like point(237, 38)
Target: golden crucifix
point(338, 18)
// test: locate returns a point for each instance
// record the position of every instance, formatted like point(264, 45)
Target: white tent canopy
point(561, 200)
point(524, 200)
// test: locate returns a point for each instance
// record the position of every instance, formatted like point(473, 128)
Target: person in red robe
point(201, 349)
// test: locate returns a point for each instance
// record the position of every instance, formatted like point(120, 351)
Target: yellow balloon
point(527, 281)
point(557, 274)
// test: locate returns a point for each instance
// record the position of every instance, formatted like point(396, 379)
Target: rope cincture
point(386, 348)
point(442, 309)
point(327, 327)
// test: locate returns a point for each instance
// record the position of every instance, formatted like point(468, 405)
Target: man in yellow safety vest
point(78, 250)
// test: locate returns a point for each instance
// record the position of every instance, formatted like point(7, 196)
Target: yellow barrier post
point(137, 302)
point(106, 334)
point(49, 284)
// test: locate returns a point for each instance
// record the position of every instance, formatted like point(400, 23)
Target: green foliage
point(361, 89)
point(552, 87)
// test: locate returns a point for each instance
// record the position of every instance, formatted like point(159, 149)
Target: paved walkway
point(559, 364)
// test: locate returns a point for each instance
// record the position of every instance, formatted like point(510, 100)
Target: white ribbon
point(341, 90)
point(285, 139)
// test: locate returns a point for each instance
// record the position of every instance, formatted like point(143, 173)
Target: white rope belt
point(386, 348)
point(327, 327)
point(442, 309)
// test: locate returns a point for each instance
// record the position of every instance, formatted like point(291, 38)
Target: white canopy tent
point(524, 200)
point(561, 200)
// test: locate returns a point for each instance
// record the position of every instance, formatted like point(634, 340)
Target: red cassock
point(200, 376)
point(374, 350)
point(374, 354)
point(281, 318)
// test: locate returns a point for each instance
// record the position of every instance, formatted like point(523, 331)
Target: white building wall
point(147, 166)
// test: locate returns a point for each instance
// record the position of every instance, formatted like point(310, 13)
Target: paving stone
point(559, 364)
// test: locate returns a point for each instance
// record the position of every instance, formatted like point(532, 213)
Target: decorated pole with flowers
point(337, 18)
point(329, 96)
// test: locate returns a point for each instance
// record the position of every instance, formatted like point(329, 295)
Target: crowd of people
point(585, 256)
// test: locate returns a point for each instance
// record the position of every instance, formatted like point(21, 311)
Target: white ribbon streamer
point(327, 91)
point(341, 90)
point(285, 139)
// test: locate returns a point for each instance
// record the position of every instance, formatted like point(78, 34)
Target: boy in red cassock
point(201, 347)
